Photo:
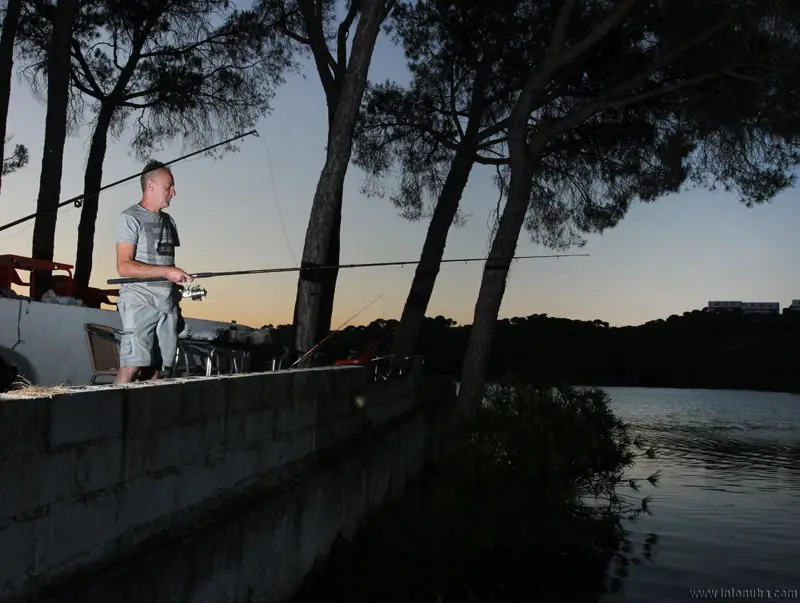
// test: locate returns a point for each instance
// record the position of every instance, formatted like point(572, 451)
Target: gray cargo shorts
point(146, 329)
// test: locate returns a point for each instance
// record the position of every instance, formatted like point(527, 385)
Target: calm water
point(727, 509)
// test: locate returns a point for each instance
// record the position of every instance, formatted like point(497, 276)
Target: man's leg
point(139, 322)
point(167, 334)
point(148, 373)
point(125, 374)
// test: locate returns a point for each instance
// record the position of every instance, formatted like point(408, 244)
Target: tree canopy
point(457, 86)
point(694, 349)
point(195, 69)
point(640, 121)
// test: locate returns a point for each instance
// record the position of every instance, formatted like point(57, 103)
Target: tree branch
point(502, 125)
point(741, 76)
point(453, 107)
point(483, 160)
point(204, 77)
point(82, 87)
point(177, 52)
point(560, 29)
point(495, 129)
point(326, 66)
point(283, 25)
point(96, 91)
point(342, 36)
point(493, 142)
point(142, 106)
point(593, 108)
point(538, 77)
point(296, 37)
point(597, 34)
point(613, 95)
point(116, 48)
point(130, 66)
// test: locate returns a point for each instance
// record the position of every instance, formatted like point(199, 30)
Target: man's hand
point(177, 276)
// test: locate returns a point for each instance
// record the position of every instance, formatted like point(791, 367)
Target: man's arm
point(127, 267)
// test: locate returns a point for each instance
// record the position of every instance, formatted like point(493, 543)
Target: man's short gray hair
point(151, 168)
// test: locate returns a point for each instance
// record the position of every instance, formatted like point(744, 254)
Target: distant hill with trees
point(696, 350)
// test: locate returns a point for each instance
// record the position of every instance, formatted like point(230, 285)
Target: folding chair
point(103, 344)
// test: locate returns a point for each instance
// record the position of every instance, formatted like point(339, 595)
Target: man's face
point(162, 187)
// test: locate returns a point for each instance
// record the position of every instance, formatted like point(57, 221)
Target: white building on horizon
point(747, 307)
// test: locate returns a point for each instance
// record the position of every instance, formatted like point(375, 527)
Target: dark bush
point(529, 506)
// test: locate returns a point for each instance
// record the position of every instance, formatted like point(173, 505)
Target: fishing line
point(27, 227)
point(275, 197)
point(15, 235)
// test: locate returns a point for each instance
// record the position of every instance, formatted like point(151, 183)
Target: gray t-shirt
point(156, 237)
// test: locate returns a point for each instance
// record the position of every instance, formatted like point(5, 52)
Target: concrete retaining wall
point(91, 477)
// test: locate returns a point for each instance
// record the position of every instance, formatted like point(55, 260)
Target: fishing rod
point(78, 201)
point(332, 333)
point(198, 275)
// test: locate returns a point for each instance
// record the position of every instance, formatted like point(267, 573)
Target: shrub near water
point(530, 509)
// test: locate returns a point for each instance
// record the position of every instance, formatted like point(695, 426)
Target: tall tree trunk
point(327, 293)
point(93, 177)
point(327, 198)
point(13, 10)
point(55, 135)
point(524, 154)
point(419, 296)
point(490, 296)
point(328, 278)
point(92, 181)
point(411, 321)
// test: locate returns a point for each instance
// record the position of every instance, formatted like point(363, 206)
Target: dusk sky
point(665, 258)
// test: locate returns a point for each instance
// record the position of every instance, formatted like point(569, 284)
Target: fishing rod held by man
point(200, 275)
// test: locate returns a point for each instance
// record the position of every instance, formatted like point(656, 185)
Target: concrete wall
point(47, 342)
point(95, 479)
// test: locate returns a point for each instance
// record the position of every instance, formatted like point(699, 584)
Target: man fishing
point(146, 239)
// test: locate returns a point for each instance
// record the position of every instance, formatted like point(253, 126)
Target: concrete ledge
point(86, 476)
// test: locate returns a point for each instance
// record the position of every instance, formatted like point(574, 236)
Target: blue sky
point(665, 258)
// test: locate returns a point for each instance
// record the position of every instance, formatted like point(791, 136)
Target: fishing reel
point(194, 292)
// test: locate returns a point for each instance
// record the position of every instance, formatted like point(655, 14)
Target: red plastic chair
point(10, 263)
point(365, 358)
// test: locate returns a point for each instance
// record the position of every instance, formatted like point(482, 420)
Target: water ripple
point(725, 509)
